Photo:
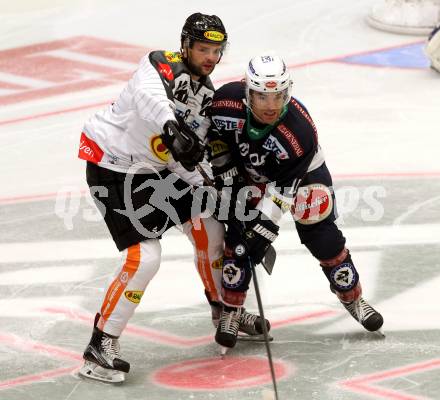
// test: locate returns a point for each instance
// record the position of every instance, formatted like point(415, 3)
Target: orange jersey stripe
point(203, 265)
point(118, 286)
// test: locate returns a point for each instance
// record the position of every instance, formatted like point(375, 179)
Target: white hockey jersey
point(126, 135)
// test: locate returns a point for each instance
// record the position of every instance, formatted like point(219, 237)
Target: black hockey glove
point(183, 143)
point(251, 238)
point(228, 181)
point(227, 175)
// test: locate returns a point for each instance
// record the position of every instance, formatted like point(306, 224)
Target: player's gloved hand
point(227, 175)
point(183, 143)
point(228, 181)
point(252, 238)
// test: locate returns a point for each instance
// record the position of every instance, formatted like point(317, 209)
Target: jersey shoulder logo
point(173, 57)
point(306, 116)
point(166, 71)
point(292, 139)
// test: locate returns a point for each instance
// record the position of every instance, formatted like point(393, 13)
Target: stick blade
point(269, 259)
point(242, 337)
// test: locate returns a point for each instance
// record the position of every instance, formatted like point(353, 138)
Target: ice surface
point(379, 129)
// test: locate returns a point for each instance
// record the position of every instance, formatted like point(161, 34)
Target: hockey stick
point(268, 266)
point(264, 326)
point(269, 258)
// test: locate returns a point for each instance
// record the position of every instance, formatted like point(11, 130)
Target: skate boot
point(102, 360)
point(251, 326)
point(216, 310)
point(227, 330)
point(366, 315)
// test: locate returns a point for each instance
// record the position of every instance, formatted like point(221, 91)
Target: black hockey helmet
point(203, 28)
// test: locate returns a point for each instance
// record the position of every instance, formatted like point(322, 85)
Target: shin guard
point(343, 276)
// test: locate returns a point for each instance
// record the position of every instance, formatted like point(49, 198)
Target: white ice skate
point(94, 371)
point(102, 362)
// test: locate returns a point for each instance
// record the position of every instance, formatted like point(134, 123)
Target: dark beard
point(194, 69)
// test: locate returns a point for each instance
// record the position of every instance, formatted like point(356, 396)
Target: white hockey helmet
point(267, 73)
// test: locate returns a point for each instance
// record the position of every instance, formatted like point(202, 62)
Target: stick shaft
point(265, 333)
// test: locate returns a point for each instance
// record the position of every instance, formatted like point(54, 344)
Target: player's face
point(203, 57)
point(267, 107)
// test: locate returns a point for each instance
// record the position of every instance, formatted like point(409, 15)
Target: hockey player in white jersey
point(141, 154)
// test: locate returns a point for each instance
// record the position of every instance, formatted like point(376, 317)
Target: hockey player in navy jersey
point(265, 154)
point(141, 154)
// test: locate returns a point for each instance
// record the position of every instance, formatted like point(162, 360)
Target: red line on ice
point(53, 113)
point(157, 336)
point(42, 349)
point(382, 393)
point(57, 74)
point(119, 76)
point(26, 379)
point(303, 317)
point(149, 334)
point(32, 346)
point(363, 384)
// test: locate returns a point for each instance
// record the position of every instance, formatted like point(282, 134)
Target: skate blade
point(223, 351)
point(253, 338)
point(380, 333)
point(93, 371)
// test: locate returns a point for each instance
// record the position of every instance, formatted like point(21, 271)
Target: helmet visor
point(267, 107)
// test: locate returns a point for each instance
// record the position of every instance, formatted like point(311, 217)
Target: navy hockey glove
point(251, 238)
point(227, 175)
point(183, 143)
point(228, 181)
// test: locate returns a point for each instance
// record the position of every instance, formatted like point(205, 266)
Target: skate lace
point(248, 319)
point(229, 322)
point(360, 310)
point(110, 346)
